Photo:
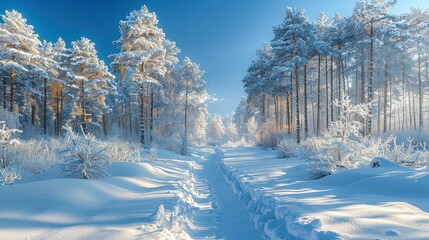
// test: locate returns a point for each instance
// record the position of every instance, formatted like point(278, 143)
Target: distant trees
point(373, 56)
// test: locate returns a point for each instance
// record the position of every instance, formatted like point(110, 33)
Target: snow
point(230, 193)
point(170, 197)
point(117, 207)
point(386, 202)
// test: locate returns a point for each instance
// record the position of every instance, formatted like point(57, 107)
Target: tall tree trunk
point(45, 107)
point(57, 114)
point(276, 113)
point(142, 116)
point(33, 102)
point(410, 106)
point(332, 88)
point(185, 136)
point(130, 115)
point(339, 84)
point(4, 93)
point(390, 104)
point(61, 112)
point(152, 107)
point(420, 91)
point(386, 83)
point(371, 77)
point(105, 124)
point(414, 109)
point(263, 116)
point(327, 92)
point(298, 125)
point(318, 126)
point(288, 117)
point(403, 96)
point(305, 103)
point(379, 108)
point(356, 86)
point(83, 108)
point(12, 92)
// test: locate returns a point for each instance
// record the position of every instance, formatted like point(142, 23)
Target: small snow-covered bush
point(9, 176)
point(5, 141)
point(408, 153)
point(83, 156)
point(35, 155)
point(287, 148)
point(340, 144)
point(120, 151)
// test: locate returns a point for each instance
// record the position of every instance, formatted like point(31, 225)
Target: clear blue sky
point(221, 35)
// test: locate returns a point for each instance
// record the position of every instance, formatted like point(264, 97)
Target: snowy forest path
point(230, 216)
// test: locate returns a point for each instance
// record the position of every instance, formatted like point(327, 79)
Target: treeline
point(155, 99)
point(373, 56)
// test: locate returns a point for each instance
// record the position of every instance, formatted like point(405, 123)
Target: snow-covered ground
point(215, 194)
point(171, 197)
point(388, 202)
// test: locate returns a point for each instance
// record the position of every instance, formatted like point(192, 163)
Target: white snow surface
point(172, 197)
point(234, 193)
point(386, 202)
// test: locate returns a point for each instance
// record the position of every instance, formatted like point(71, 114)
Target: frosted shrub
point(287, 148)
point(9, 176)
point(84, 156)
point(341, 143)
point(124, 151)
point(5, 141)
point(35, 155)
point(409, 153)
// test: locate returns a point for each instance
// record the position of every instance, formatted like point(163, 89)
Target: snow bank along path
point(389, 202)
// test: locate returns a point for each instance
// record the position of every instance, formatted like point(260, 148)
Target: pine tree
point(19, 53)
point(89, 82)
point(141, 62)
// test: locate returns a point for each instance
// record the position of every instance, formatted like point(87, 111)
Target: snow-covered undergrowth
point(385, 202)
point(152, 199)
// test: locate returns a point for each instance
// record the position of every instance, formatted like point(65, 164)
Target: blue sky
point(221, 35)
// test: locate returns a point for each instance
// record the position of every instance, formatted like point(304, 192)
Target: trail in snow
point(231, 220)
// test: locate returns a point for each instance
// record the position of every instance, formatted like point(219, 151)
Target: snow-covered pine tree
point(294, 41)
point(61, 57)
point(48, 73)
point(141, 62)
point(369, 14)
point(18, 54)
point(89, 83)
point(419, 20)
